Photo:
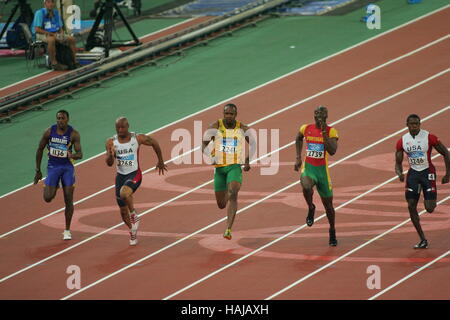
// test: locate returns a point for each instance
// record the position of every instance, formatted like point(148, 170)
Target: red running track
point(279, 265)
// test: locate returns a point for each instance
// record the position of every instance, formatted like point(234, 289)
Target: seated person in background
point(47, 27)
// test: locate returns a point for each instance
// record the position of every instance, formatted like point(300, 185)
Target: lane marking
point(260, 120)
point(410, 275)
point(348, 253)
point(268, 82)
point(243, 209)
point(210, 181)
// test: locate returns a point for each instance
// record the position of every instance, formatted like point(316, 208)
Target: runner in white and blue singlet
point(124, 147)
point(418, 144)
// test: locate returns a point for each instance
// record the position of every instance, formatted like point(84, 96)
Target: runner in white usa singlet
point(418, 144)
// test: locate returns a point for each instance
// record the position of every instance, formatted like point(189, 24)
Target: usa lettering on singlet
point(58, 146)
point(418, 149)
point(127, 155)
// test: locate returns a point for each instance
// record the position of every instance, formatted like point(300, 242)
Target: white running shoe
point(134, 218)
point(133, 238)
point(67, 235)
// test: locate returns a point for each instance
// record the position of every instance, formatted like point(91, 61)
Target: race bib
point(59, 153)
point(125, 161)
point(315, 150)
point(416, 158)
point(229, 145)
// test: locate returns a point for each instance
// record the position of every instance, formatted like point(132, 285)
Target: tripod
point(25, 13)
point(106, 13)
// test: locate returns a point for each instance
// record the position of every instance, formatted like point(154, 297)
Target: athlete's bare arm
point(298, 150)
point(209, 136)
point(76, 140)
point(398, 165)
point(251, 143)
point(152, 142)
point(110, 152)
point(444, 152)
point(330, 143)
point(40, 150)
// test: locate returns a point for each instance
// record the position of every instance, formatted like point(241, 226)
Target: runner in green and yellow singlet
point(228, 156)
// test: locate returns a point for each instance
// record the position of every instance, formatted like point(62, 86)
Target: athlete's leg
point(414, 215)
point(430, 205)
point(49, 193)
point(125, 213)
point(221, 198)
point(126, 195)
point(308, 192)
point(428, 182)
point(328, 204)
point(68, 200)
point(412, 194)
point(220, 187)
point(233, 190)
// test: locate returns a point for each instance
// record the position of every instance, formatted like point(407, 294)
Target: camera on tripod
point(134, 5)
point(106, 11)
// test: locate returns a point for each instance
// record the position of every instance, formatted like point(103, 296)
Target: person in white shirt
point(124, 147)
point(418, 144)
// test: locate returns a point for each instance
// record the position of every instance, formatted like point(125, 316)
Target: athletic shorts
point(321, 178)
point(62, 173)
point(132, 180)
point(224, 175)
point(421, 180)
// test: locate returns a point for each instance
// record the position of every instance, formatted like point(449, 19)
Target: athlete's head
point(62, 118)
point(49, 4)
point(413, 124)
point(229, 113)
point(122, 127)
point(320, 114)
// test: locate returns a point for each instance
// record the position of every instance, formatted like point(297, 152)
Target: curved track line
point(269, 82)
point(245, 208)
point(210, 181)
point(348, 253)
point(410, 275)
point(271, 115)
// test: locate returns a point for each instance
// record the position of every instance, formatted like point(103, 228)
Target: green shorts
point(321, 178)
point(224, 175)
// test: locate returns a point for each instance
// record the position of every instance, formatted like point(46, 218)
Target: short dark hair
point(231, 105)
point(65, 112)
point(412, 116)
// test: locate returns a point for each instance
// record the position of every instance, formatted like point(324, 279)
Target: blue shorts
point(65, 174)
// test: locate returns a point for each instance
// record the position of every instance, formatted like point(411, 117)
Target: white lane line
point(265, 118)
point(267, 83)
point(348, 253)
point(303, 226)
point(206, 183)
point(241, 210)
point(410, 275)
